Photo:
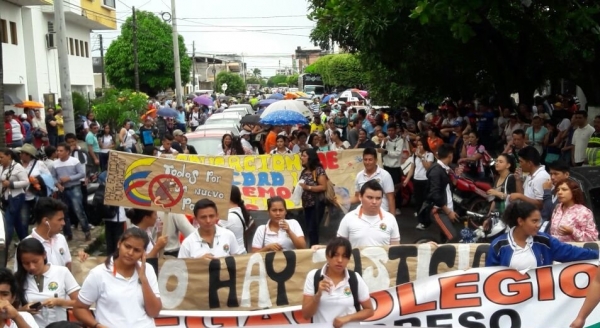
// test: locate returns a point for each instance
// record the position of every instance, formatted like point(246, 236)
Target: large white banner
point(474, 298)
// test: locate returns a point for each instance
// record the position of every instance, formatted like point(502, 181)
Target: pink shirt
point(580, 218)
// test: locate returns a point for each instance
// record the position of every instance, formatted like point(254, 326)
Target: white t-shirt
point(564, 125)
point(345, 145)
point(533, 187)
point(363, 230)
point(57, 249)
point(105, 141)
point(581, 137)
point(233, 222)
point(148, 231)
point(420, 171)
point(381, 176)
point(58, 281)
point(119, 301)
point(523, 258)
point(224, 244)
point(265, 236)
point(28, 319)
point(339, 301)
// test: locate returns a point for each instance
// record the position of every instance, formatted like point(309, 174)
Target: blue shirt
point(486, 121)
point(91, 140)
point(181, 117)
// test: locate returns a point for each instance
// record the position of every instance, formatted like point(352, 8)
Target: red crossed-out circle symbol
point(163, 181)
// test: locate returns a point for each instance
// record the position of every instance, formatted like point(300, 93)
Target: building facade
point(305, 57)
point(30, 55)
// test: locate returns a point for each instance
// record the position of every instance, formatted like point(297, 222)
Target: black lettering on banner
point(402, 253)
point(281, 277)
point(443, 254)
point(432, 320)
point(357, 263)
point(515, 319)
point(414, 322)
point(592, 246)
point(479, 252)
point(215, 283)
point(464, 321)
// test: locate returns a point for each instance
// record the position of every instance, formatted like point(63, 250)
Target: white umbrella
point(287, 105)
point(349, 94)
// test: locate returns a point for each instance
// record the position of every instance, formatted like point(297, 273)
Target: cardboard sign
point(260, 177)
point(162, 184)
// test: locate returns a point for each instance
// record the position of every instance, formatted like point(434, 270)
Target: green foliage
point(292, 80)
point(116, 107)
point(235, 83)
point(253, 80)
point(275, 80)
point(155, 56)
point(80, 104)
point(257, 72)
point(342, 70)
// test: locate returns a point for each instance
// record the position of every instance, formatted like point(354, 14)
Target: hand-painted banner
point(162, 184)
point(276, 279)
point(262, 176)
point(480, 297)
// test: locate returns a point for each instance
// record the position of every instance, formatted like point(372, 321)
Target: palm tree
point(256, 72)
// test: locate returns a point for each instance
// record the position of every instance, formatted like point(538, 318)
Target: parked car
point(248, 107)
point(207, 142)
point(223, 126)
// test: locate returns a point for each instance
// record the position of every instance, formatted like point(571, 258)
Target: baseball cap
point(24, 116)
point(244, 133)
point(177, 133)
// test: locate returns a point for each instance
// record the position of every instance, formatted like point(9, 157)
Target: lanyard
point(360, 212)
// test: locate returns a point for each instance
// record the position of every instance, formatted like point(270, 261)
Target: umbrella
point(326, 98)
point(266, 102)
point(284, 117)
point(293, 105)
point(204, 100)
point(349, 94)
point(290, 95)
point(30, 104)
point(250, 119)
point(277, 96)
point(11, 100)
point(167, 112)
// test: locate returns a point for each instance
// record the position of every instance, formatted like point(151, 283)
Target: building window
point(13, 33)
point(81, 47)
point(109, 3)
point(87, 51)
point(4, 31)
point(76, 47)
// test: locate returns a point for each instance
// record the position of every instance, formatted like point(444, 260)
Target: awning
point(11, 100)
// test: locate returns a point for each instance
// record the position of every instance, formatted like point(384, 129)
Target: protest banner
point(262, 176)
point(479, 297)
point(162, 184)
point(276, 279)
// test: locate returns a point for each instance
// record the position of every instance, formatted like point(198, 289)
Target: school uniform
point(265, 236)
point(119, 300)
point(57, 249)
point(224, 244)
point(364, 230)
point(384, 179)
point(8, 323)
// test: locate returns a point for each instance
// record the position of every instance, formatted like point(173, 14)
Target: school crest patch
point(383, 227)
point(226, 247)
point(53, 286)
point(61, 251)
point(347, 291)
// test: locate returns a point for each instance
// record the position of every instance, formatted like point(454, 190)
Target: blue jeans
point(12, 218)
point(27, 211)
point(53, 139)
point(73, 197)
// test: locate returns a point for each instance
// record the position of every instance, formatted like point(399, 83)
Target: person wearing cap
point(178, 138)
point(27, 128)
point(511, 126)
point(245, 137)
point(35, 169)
point(17, 131)
point(535, 134)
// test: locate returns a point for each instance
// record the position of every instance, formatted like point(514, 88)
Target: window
point(4, 31)
point(87, 51)
point(81, 47)
point(13, 33)
point(109, 3)
point(71, 46)
point(76, 47)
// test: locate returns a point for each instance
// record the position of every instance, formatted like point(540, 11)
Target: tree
point(235, 83)
point(341, 70)
point(275, 80)
point(80, 104)
point(257, 72)
point(155, 56)
point(116, 107)
point(253, 80)
point(292, 80)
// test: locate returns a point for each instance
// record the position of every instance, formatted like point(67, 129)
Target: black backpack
point(353, 282)
point(99, 210)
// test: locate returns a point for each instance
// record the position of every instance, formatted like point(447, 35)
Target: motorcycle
point(470, 195)
point(481, 234)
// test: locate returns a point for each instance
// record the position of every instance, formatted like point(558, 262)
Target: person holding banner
point(124, 288)
point(209, 241)
point(238, 217)
point(523, 247)
point(146, 220)
point(334, 294)
point(278, 234)
point(314, 184)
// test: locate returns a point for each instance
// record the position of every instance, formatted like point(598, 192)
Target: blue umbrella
point(284, 117)
point(267, 102)
point(167, 112)
point(277, 96)
point(326, 98)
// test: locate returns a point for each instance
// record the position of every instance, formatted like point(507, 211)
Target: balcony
point(93, 15)
point(31, 2)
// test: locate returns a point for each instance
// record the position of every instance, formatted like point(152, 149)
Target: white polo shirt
point(224, 244)
point(523, 258)
point(533, 187)
point(148, 231)
point(59, 281)
point(363, 230)
point(265, 236)
point(119, 301)
point(384, 179)
point(57, 249)
point(339, 301)
point(28, 319)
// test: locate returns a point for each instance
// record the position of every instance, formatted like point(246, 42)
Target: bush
point(80, 104)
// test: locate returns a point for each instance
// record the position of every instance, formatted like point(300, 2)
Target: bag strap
point(353, 281)
point(241, 219)
point(32, 167)
point(316, 280)
point(264, 235)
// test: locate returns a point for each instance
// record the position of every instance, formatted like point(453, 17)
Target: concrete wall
point(15, 71)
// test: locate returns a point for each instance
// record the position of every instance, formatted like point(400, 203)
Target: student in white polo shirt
point(278, 234)
point(124, 288)
point(339, 296)
point(146, 221)
point(533, 186)
point(209, 241)
point(372, 171)
point(9, 316)
point(39, 281)
point(368, 224)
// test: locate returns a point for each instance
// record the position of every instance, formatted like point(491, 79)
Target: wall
point(15, 71)
point(98, 12)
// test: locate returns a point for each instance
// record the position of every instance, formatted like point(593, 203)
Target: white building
point(29, 44)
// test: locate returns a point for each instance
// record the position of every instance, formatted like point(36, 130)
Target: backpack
point(353, 282)
point(99, 210)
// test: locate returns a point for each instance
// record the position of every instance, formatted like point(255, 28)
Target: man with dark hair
point(533, 186)
point(581, 137)
point(93, 147)
point(559, 171)
point(438, 203)
point(517, 143)
point(10, 317)
point(391, 152)
point(372, 171)
point(166, 150)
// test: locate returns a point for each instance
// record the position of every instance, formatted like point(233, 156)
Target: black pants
point(419, 193)
point(313, 216)
point(396, 173)
point(113, 231)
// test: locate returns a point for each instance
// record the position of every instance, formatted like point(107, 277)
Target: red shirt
point(8, 129)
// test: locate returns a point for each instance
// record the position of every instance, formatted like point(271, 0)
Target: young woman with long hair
point(314, 186)
point(14, 180)
point(571, 220)
point(278, 234)
point(238, 218)
point(146, 220)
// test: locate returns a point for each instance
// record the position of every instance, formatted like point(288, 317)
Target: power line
point(124, 4)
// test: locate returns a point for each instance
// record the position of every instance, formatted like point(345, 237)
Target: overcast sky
point(266, 32)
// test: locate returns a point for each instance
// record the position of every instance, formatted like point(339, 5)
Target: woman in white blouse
point(34, 168)
point(14, 181)
point(337, 143)
point(147, 222)
point(237, 218)
point(278, 234)
point(39, 281)
point(127, 137)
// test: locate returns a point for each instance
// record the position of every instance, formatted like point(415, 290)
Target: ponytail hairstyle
point(129, 233)
point(517, 210)
point(136, 215)
point(26, 246)
point(236, 198)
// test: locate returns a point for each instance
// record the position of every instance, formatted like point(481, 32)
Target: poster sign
point(478, 297)
point(263, 176)
point(162, 184)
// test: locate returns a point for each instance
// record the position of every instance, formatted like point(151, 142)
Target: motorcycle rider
point(438, 204)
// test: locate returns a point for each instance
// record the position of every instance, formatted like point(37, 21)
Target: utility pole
point(63, 63)
point(214, 75)
point(102, 64)
point(194, 66)
point(136, 70)
point(176, 55)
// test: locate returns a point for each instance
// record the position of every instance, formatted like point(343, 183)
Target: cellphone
point(36, 306)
